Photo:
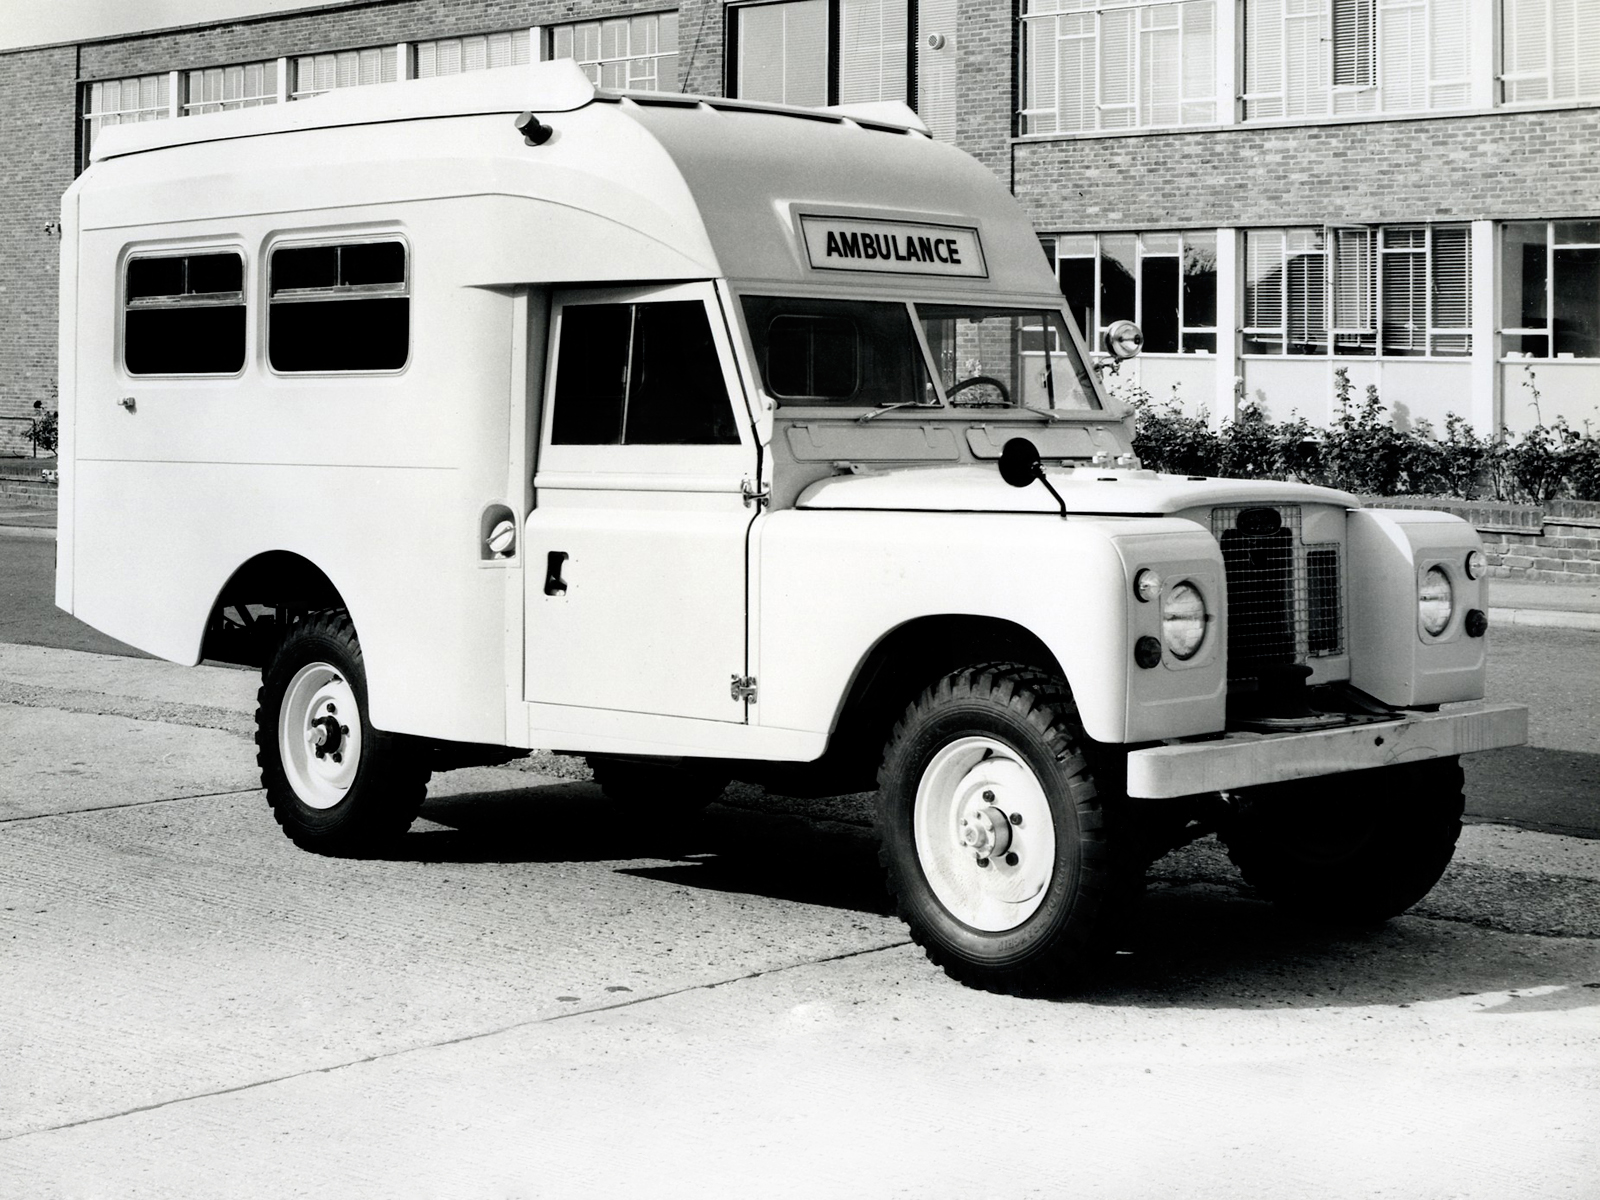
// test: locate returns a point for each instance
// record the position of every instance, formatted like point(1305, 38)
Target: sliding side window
point(184, 314)
point(335, 308)
point(640, 375)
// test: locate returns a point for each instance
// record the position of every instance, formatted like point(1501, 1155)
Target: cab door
point(636, 581)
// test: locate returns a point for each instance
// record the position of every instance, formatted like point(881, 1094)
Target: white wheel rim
point(318, 694)
point(966, 781)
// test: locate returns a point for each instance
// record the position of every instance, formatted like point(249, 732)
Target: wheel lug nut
point(983, 862)
point(331, 708)
point(1011, 859)
point(344, 729)
point(989, 796)
point(1016, 818)
point(337, 757)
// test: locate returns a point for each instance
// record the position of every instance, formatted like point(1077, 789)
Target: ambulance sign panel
point(896, 247)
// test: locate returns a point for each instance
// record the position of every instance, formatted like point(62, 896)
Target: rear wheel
point(1359, 847)
point(336, 785)
point(994, 841)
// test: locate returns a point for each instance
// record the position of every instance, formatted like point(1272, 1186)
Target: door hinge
point(744, 688)
point(754, 493)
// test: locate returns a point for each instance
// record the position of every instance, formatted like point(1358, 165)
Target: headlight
point(1436, 600)
point(1476, 565)
point(1146, 586)
point(1183, 620)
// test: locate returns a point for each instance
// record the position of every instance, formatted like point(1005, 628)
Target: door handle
point(554, 585)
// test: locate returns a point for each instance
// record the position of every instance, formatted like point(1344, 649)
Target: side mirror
point(1124, 339)
point(1019, 462)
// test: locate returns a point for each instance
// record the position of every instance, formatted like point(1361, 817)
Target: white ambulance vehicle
point(708, 440)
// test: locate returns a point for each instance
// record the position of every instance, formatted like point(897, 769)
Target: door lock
point(554, 585)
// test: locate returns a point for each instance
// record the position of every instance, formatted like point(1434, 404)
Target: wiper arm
point(878, 412)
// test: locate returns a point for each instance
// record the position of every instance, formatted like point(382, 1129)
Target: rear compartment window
point(856, 352)
point(184, 314)
point(340, 307)
point(640, 374)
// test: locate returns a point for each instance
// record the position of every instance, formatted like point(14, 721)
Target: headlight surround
point(1183, 621)
point(1436, 601)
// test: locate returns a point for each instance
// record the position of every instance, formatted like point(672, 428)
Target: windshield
point(994, 357)
point(866, 353)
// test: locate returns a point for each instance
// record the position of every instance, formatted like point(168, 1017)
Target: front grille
point(1285, 599)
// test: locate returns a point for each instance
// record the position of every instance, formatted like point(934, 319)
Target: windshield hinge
point(754, 493)
point(743, 688)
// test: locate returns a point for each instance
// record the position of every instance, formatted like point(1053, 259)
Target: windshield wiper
point(878, 412)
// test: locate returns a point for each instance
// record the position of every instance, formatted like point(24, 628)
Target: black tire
point(325, 802)
point(1001, 723)
point(1356, 848)
point(661, 803)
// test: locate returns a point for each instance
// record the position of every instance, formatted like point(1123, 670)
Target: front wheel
point(1360, 847)
point(336, 785)
point(993, 837)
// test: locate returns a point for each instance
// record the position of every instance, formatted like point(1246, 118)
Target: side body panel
point(833, 584)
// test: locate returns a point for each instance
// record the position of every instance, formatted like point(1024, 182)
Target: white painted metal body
point(673, 585)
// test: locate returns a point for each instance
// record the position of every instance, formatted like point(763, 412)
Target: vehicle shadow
point(1199, 939)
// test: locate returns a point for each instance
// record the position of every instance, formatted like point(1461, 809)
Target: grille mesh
point(1285, 599)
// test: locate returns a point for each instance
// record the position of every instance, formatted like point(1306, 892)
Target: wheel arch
point(266, 593)
point(913, 656)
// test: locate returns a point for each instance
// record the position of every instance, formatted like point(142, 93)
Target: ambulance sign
point(897, 247)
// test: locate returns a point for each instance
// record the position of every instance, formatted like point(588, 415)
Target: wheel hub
point(984, 833)
point(319, 735)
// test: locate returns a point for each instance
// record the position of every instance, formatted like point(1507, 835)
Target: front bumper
point(1240, 760)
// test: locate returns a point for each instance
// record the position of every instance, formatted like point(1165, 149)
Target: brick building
point(1274, 189)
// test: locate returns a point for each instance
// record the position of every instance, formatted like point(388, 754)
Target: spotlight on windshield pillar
point(534, 131)
point(1124, 339)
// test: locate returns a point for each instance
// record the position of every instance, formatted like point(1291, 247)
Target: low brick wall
point(21, 485)
point(1559, 543)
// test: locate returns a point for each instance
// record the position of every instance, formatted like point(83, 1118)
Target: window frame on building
point(513, 46)
point(1097, 37)
point(835, 86)
point(1336, 292)
point(1192, 339)
point(223, 89)
point(1552, 305)
point(95, 117)
point(349, 67)
point(1541, 53)
point(1331, 58)
point(642, 69)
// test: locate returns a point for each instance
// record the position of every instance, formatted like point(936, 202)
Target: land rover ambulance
point(716, 440)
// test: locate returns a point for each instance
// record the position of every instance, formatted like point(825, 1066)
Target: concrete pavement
point(517, 1005)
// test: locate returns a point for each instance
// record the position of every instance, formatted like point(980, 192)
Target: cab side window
point(343, 307)
point(184, 314)
point(640, 375)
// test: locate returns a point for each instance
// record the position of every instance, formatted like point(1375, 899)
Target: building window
point(219, 89)
point(339, 308)
point(122, 102)
point(1398, 291)
point(1550, 289)
point(184, 314)
point(452, 56)
point(313, 74)
point(1328, 57)
point(1551, 50)
point(815, 52)
point(1100, 64)
point(1166, 282)
point(628, 52)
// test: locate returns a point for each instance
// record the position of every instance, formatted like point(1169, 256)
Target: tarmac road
point(521, 1003)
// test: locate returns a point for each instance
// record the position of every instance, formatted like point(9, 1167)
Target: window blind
point(872, 50)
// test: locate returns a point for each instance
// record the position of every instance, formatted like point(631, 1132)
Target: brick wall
point(986, 32)
point(38, 132)
point(1497, 166)
point(1556, 544)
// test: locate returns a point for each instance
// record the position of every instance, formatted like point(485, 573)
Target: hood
point(1088, 491)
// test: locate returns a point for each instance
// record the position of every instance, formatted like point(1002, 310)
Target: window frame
point(519, 38)
point(240, 299)
point(1364, 337)
point(299, 241)
point(1030, 17)
point(1548, 331)
point(550, 34)
point(1094, 338)
point(718, 462)
point(831, 50)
